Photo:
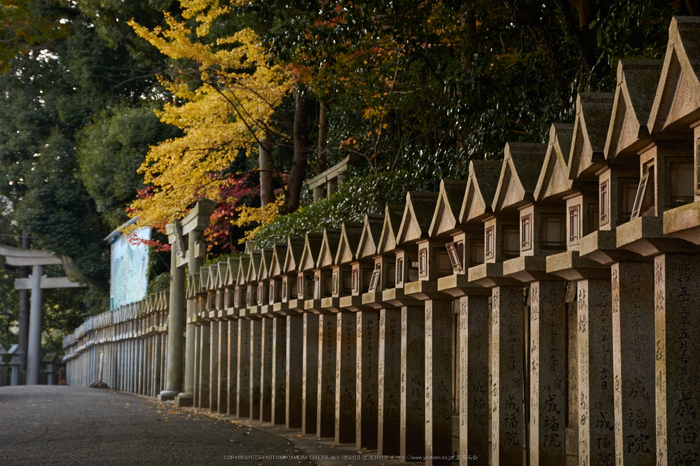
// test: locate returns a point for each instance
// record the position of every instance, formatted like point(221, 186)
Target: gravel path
point(77, 425)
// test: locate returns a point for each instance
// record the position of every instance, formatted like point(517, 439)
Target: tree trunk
point(267, 190)
point(322, 137)
point(24, 308)
point(301, 153)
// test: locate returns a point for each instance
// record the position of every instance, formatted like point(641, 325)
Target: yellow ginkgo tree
point(228, 114)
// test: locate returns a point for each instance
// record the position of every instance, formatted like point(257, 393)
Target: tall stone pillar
point(185, 398)
point(389, 382)
point(294, 371)
point(204, 365)
point(595, 372)
point(507, 375)
point(36, 318)
point(213, 365)
point(279, 365)
point(232, 370)
point(439, 328)
point(345, 381)
point(222, 385)
point(474, 380)
point(244, 378)
point(633, 362)
point(267, 349)
point(327, 350)
point(157, 369)
point(310, 372)
point(412, 424)
point(677, 358)
point(255, 367)
point(197, 375)
point(548, 365)
point(243, 389)
point(367, 384)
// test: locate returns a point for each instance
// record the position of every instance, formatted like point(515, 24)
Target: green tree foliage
point(109, 152)
point(356, 197)
point(427, 86)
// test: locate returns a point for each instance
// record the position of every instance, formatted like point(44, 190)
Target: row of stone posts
point(539, 312)
point(125, 348)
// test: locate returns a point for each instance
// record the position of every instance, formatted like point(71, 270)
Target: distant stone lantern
point(52, 361)
point(16, 354)
point(3, 369)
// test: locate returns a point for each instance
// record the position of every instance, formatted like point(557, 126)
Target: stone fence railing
point(127, 344)
point(544, 308)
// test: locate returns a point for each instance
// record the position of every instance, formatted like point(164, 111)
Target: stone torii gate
point(189, 249)
point(36, 282)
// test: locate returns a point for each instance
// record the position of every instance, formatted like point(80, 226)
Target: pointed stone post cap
point(16, 352)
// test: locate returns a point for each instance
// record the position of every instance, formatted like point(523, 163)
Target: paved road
point(75, 425)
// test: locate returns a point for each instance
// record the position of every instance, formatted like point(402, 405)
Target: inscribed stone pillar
point(243, 390)
point(310, 372)
point(346, 381)
point(222, 386)
point(439, 328)
point(279, 365)
point(213, 365)
point(155, 364)
point(122, 366)
point(367, 372)
point(35, 323)
point(255, 367)
point(677, 355)
point(139, 366)
point(204, 361)
point(507, 376)
point(232, 370)
point(327, 348)
point(389, 382)
point(474, 380)
point(161, 341)
point(294, 371)
point(548, 365)
point(595, 373)
point(633, 362)
point(132, 365)
point(412, 425)
point(197, 374)
point(267, 347)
